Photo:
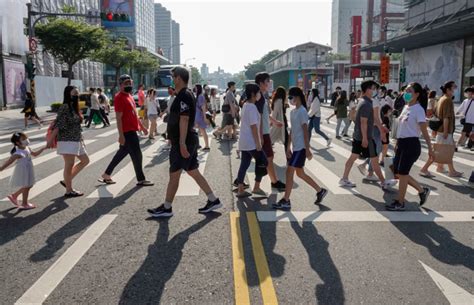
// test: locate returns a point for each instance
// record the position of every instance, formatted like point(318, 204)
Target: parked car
point(163, 98)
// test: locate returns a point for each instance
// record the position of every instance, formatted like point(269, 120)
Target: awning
point(470, 73)
point(454, 29)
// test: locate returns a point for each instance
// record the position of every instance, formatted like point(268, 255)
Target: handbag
point(443, 153)
point(463, 120)
point(434, 123)
point(225, 108)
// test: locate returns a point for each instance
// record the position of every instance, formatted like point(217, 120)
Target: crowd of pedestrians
point(258, 120)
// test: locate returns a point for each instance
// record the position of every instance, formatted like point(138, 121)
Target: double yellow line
point(267, 290)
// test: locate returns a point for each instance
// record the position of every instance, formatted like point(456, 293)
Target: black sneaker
point(161, 212)
point(320, 195)
point(282, 204)
point(236, 184)
point(395, 206)
point(211, 206)
point(424, 195)
point(280, 186)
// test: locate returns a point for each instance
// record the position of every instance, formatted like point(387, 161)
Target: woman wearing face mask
point(70, 142)
point(445, 112)
point(412, 121)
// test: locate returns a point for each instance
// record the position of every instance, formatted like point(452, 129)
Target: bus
point(163, 77)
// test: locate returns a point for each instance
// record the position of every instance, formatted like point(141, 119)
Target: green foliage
point(69, 9)
point(145, 62)
point(196, 76)
point(55, 106)
point(70, 41)
point(259, 65)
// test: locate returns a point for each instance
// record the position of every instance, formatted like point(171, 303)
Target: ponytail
point(16, 137)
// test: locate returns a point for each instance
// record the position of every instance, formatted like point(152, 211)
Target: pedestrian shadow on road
point(331, 291)
point(57, 240)
point(12, 225)
point(324, 152)
point(435, 238)
point(146, 286)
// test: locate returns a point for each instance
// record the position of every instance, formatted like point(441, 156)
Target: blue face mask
point(407, 96)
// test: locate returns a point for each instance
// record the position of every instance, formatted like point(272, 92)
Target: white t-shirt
point(298, 117)
point(315, 108)
point(152, 106)
point(464, 107)
point(409, 121)
point(250, 116)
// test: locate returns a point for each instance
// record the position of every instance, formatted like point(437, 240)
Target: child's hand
point(288, 153)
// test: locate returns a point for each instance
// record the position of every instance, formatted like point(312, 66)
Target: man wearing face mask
point(127, 124)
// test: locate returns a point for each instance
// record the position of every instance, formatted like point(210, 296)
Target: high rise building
point(175, 42)
point(342, 11)
point(163, 36)
point(204, 71)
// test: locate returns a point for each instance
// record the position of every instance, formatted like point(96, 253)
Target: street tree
point(145, 63)
point(70, 41)
point(117, 55)
point(259, 65)
point(195, 75)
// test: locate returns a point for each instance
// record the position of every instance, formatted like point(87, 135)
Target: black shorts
point(297, 159)
point(267, 146)
point(467, 128)
point(408, 151)
point(368, 152)
point(177, 162)
point(387, 139)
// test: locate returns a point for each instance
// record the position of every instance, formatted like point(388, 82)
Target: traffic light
point(30, 68)
point(403, 75)
point(26, 29)
point(114, 17)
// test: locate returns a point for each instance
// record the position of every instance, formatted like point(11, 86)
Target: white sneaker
point(388, 183)
point(362, 169)
point(371, 178)
point(346, 183)
point(329, 142)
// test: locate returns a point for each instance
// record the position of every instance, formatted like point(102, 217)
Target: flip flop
point(427, 175)
point(13, 200)
point(106, 181)
point(28, 206)
point(145, 183)
point(456, 175)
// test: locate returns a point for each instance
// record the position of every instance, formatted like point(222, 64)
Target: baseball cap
point(123, 78)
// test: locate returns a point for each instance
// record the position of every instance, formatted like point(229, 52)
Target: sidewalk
point(12, 119)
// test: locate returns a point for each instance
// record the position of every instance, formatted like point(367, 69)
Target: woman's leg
point(338, 126)
point(317, 128)
point(25, 192)
point(302, 175)
point(151, 134)
point(83, 161)
point(26, 122)
point(68, 166)
point(384, 152)
point(245, 160)
point(204, 135)
point(290, 173)
point(311, 126)
point(346, 126)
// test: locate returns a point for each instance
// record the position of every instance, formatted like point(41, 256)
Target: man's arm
point(183, 132)
point(118, 116)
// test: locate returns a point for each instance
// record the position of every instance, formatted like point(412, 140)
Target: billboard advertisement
point(117, 13)
point(356, 22)
point(15, 82)
point(434, 65)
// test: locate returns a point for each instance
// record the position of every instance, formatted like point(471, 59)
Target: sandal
point(106, 181)
point(28, 206)
point(145, 183)
point(456, 175)
point(73, 194)
point(427, 175)
point(13, 200)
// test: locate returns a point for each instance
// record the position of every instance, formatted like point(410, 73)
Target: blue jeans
point(315, 122)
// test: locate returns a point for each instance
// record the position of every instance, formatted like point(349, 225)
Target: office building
point(204, 71)
point(175, 43)
point(163, 36)
point(342, 11)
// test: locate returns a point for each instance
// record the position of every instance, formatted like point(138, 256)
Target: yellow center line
point(240, 275)
point(265, 279)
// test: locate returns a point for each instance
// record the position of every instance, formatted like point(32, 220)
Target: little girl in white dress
point(23, 177)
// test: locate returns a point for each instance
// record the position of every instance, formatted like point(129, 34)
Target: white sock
point(167, 205)
point(211, 197)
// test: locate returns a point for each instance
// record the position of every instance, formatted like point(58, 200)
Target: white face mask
point(25, 142)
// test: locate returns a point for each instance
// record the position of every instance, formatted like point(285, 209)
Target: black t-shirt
point(260, 103)
point(183, 104)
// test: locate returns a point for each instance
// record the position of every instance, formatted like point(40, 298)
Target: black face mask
point(75, 98)
point(128, 89)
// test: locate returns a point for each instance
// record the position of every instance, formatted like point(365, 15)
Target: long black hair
point(72, 103)
point(15, 139)
point(422, 97)
point(296, 91)
point(342, 97)
point(198, 90)
point(280, 93)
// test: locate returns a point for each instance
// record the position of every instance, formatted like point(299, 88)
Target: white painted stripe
point(125, 175)
point(345, 153)
point(46, 284)
point(107, 134)
point(38, 160)
point(328, 178)
point(453, 293)
point(29, 132)
point(53, 179)
point(366, 216)
point(187, 185)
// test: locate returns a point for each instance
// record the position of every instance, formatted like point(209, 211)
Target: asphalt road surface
point(104, 248)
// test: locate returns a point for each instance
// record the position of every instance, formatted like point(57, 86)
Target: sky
point(230, 34)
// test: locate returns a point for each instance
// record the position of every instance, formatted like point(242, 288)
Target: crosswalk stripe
point(187, 185)
point(38, 160)
point(365, 216)
point(125, 175)
point(29, 132)
point(345, 153)
point(53, 179)
point(107, 134)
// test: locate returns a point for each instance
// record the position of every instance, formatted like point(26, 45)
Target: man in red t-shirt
point(127, 124)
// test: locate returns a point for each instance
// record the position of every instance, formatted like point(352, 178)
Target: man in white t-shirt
point(95, 108)
point(466, 110)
